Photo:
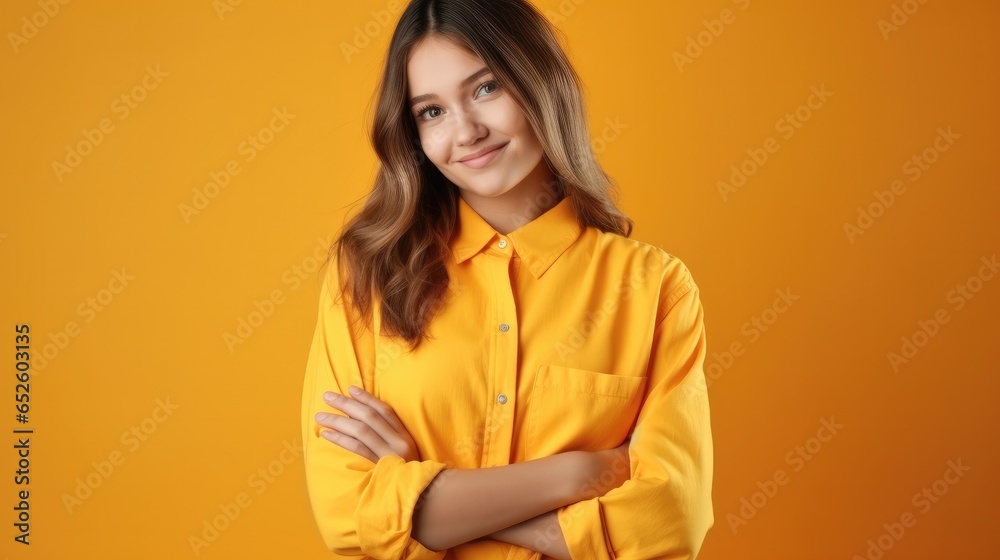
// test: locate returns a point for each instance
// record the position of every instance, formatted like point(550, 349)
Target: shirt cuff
point(386, 532)
point(576, 522)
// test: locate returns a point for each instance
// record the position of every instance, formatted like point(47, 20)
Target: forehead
point(436, 64)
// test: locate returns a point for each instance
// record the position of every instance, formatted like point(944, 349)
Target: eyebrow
point(479, 73)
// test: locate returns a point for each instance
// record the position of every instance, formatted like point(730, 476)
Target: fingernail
point(322, 416)
point(331, 397)
point(354, 390)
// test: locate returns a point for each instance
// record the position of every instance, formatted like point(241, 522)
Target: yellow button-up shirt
point(551, 338)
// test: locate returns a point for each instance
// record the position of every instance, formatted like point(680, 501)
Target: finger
point(357, 430)
point(384, 410)
point(342, 431)
point(397, 436)
point(363, 412)
point(350, 444)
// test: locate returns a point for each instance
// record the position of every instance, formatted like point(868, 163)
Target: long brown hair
point(395, 248)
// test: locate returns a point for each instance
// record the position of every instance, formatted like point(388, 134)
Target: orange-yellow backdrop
point(172, 171)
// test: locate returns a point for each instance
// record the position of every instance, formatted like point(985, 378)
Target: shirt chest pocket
point(577, 409)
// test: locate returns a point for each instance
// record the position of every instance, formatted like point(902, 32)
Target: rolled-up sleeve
point(362, 509)
point(665, 509)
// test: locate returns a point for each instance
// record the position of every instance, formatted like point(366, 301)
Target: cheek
point(435, 145)
point(508, 118)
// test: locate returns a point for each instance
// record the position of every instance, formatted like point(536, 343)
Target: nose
point(468, 129)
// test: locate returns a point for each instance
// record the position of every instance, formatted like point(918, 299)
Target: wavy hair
point(395, 249)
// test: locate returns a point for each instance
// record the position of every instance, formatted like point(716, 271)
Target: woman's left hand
point(371, 429)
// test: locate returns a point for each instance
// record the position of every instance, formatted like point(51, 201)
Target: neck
point(532, 197)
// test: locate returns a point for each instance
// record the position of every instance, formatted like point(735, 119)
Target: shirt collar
point(539, 242)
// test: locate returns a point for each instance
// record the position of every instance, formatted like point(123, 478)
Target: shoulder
point(655, 267)
point(337, 298)
point(336, 288)
point(330, 279)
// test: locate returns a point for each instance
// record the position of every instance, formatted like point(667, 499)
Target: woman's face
point(460, 111)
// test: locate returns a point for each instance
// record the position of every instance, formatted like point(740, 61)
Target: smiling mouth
point(483, 160)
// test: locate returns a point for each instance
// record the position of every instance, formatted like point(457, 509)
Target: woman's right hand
point(603, 471)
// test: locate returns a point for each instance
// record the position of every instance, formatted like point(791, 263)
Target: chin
point(495, 187)
point(486, 190)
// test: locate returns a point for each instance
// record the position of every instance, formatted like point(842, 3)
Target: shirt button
point(502, 399)
point(504, 327)
point(503, 243)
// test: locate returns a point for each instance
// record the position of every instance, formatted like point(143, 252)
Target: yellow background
point(667, 129)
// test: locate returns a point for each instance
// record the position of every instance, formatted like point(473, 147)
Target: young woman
point(497, 370)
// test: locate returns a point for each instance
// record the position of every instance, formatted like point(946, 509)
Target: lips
point(483, 157)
